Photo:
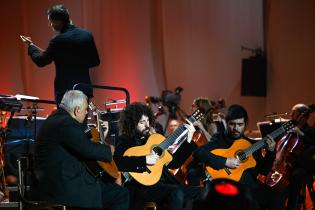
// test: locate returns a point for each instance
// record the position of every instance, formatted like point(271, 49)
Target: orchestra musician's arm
point(128, 163)
point(80, 144)
point(264, 158)
point(40, 58)
point(309, 135)
point(202, 128)
point(203, 154)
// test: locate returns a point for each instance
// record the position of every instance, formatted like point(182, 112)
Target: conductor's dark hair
point(59, 12)
point(236, 111)
point(130, 117)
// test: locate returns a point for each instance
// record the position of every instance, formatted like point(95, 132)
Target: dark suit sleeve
point(309, 136)
point(74, 138)
point(94, 59)
point(203, 154)
point(128, 163)
point(41, 58)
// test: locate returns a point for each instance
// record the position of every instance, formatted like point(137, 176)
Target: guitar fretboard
point(171, 139)
point(178, 132)
point(274, 134)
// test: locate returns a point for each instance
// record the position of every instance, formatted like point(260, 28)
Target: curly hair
point(130, 117)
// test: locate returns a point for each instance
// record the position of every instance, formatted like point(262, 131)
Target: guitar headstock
point(196, 116)
point(92, 106)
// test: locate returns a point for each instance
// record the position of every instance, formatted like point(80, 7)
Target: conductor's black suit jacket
point(60, 151)
point(73, 51)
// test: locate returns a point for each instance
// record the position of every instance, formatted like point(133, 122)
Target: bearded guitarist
point(236, 120)
point(140, 151)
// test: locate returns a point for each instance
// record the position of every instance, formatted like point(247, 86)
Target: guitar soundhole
point(241, 155)
point(158, 150)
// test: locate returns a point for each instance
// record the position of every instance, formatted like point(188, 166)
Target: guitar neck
point(181, 131)
point(262, 142)
point(99, 127)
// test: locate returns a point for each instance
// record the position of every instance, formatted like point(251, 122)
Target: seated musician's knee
point(177, 196)
point(123, 195)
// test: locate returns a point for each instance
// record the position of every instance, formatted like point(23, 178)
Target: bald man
point(304, 168)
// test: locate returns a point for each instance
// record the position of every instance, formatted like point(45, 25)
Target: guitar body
point(98, 168)
point(110, 168)
point(150, 178)
point(236, 174)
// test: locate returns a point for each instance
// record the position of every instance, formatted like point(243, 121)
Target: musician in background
point(236, 120)
point(204, 131)
point(61, 150)
point(305, 165)
point(206, 125)
point(172, 125)
point(72, 50)
point(136, 125)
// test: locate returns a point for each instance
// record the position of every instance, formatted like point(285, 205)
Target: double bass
point(288, 151)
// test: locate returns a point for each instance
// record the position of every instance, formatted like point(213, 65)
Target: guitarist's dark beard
point(144, 134)
point(235, 135)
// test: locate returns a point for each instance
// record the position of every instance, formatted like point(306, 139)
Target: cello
point(288, 150)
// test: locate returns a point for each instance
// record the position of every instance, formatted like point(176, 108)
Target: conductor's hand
point(191, 130)
point(26, 40)
point(151, 159)
point(232, 162)
point(270, 143)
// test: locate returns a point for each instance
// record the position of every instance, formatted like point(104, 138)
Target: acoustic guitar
point(98, 168)
point(243, 150)
point(158, 144)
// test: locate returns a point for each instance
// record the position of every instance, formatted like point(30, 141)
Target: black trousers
point(175, 195)
point(300, 175)
point(268, 198)
point(298, 179)
point(115, 197)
